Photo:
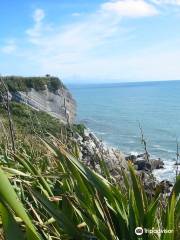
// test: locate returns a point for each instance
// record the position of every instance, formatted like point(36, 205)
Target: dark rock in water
point(156, 164)
point(143, 165)
point(143, 155)
point(131, 158)
point(150, 165)
point(177, 164)
point(142, 162)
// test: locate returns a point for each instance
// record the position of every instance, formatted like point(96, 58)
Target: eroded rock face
point(59, 104)
point(92, 150)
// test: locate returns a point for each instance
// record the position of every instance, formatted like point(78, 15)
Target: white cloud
point(76, 14)
point(166, 2)
point(9, 48)
point(35, 31)
point(38, 15)
point(66, 48)
point(78, 37)
point(75, 49)
point(130, 8)
point(61, 47)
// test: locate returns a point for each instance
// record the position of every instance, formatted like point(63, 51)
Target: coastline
point(113, 183)
point(165, 172)
point(92, 149)
point(113, 113)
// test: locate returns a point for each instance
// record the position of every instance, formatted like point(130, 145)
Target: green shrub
point(79, 128)
point(28, 121)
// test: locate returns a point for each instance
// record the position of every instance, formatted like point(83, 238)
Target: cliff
point(47, 94)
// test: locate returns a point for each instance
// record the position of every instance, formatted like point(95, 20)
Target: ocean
point(113, 112)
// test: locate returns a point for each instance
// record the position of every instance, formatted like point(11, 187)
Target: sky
point(83, 41)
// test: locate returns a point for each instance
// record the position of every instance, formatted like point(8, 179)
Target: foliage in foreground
point(55, 196)
point(47, 193)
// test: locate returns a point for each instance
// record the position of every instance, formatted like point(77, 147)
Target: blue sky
point(91, 41)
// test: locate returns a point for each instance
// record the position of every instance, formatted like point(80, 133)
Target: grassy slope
point(66, 200)
point(29, 121)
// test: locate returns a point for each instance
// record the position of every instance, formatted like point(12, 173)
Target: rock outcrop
point(46, 94)
point(141, 163)
point(59, 104)
point(93, 150)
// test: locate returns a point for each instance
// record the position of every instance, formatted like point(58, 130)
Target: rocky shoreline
point(93, 149)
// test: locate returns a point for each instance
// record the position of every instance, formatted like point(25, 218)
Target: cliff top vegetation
point(18, 83)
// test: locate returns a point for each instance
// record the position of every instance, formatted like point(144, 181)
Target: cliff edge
point(46, 94)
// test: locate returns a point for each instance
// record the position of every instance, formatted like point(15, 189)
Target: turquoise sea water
point(113, 112)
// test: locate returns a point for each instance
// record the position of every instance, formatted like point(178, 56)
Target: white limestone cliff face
point(59, 104)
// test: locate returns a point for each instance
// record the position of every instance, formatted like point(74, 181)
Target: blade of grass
point(9, 196)
point(11, 228)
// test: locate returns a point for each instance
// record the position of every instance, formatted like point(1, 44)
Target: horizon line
point(120, 82)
